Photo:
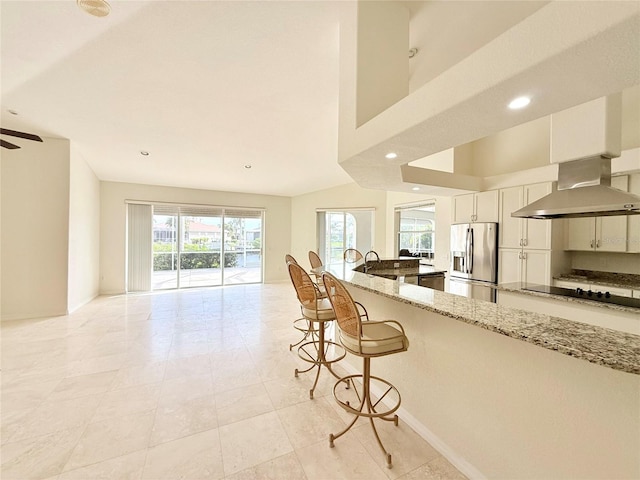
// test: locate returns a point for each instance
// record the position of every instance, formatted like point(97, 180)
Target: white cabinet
point(636, 294)
point(476, 207)
point(524, 265)
point(523, 232)
point(602, 234)
point(572, 285)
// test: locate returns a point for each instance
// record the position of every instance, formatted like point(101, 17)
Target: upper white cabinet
point(601, 234)
point(523, 232)
point(476, 207)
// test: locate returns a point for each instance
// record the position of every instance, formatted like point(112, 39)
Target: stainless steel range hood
point(584, 190)
point(583, 141)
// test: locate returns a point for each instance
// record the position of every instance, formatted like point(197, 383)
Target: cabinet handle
point(524, 242)
point(520, 242)
point(591, 243)
point(598, 244)
point(520, 255)
point(524, 255)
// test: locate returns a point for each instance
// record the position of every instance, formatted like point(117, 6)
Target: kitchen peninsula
point(507, 393)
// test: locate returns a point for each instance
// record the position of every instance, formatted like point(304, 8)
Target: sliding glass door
point(194, 246)
point(339, 230)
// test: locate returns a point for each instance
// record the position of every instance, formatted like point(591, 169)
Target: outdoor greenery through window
point(416, 231)
point(201, 246)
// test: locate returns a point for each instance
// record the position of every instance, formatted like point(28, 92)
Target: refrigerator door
point(460, 254)
point(483, 252)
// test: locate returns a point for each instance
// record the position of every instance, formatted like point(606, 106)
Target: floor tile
point(139, 375)
point(287, 466)
point(83, 385)
point(195, 457)
point(111, 438)
point(437, 469)
point(253, 441)
point(126, 401)
point(54, 416)
point(348, 459)
point(126, 467)
point(40, 457)
point(183, 419)
point(241, 403)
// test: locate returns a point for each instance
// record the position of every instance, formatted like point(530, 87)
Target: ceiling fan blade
point(8, 145)
point(14, 133)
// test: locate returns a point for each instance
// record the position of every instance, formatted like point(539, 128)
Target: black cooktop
point(595, 296)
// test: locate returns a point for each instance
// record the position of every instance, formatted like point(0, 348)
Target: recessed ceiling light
point(415, 189)
point(519, 102)
point(144, 152)
point(391, 155)
point(247, 166)
point(97, 8)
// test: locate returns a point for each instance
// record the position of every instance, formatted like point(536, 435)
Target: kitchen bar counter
point(603, 346)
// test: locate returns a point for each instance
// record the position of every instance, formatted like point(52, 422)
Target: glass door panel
point(165, 252)
point(200, 251)
point(242, 248)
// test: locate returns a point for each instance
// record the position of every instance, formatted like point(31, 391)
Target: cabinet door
point(463, 208)
point(536, 233)
point(509, 265)
point(581, 233)
point(636, 294)
point(611, 232)
point(486, 206)
point(536, 267)
point(510, 231)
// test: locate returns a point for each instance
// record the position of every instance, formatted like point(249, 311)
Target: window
point(416, 228)
point(342, 229)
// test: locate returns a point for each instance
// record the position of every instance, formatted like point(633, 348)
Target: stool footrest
point(311, 352)
point(390, 391)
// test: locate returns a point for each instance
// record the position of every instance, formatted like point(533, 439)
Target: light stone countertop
point(602, 346)
point(605, 282)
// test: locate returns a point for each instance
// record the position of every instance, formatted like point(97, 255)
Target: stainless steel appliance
point(474, 260)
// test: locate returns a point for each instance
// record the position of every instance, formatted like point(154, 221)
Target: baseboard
point(31, 316)
point(83, 303)
point(445, 450)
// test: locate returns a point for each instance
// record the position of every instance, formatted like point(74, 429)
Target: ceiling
point(206, 87)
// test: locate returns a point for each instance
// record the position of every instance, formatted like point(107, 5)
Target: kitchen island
point(505, 393)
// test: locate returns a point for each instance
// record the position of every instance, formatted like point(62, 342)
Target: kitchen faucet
point(366, 255)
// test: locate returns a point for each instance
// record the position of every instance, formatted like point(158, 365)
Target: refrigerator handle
point(471, 250)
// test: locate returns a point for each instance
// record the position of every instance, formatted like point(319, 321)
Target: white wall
point(277, 236)
point(84, 232)
point(35, 229)
point(303, 215)
point(383, 61)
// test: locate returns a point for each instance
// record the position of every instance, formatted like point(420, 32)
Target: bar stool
point(366, 339)
point(352, 255)
point(301, 324)
point(318, 312)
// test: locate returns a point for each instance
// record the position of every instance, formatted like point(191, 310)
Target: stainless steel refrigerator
point(474, 260)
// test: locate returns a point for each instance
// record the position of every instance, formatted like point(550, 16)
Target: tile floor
point(191, 384)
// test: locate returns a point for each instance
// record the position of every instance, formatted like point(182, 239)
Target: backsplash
point(613, 277)
point(620, 263)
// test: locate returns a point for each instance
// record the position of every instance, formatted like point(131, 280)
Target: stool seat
point(318, 311)
point(378, 338)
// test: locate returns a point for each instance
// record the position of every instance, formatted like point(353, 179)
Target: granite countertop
point(602, 346)
point(520, 288)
